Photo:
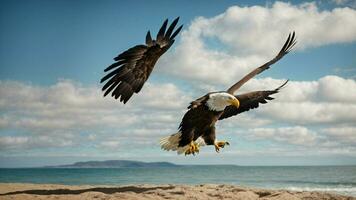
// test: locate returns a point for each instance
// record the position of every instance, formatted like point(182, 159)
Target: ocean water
point(335, 179)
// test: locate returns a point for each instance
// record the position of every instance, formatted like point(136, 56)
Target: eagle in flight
point(198, 124)
point(133, 67)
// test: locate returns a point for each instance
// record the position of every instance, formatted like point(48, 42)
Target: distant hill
point(114, 164)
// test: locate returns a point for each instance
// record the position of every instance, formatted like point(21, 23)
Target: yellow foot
point(219, 145)
point(193, 148)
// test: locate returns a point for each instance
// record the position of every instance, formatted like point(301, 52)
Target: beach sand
point(18, 191)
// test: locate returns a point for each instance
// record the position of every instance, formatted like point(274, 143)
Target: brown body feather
point(198, 121)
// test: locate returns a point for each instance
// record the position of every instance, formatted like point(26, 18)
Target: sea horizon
point(187, 165)
point(67, 165)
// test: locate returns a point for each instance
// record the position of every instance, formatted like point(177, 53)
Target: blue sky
point(65, 39)
point(52, 56)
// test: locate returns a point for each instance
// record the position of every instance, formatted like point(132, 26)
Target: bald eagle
point(198, 124)
point(133, 67)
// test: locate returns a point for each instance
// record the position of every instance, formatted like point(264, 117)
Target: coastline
point(19, 191)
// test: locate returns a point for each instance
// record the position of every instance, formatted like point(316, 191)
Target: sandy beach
point(20, 191)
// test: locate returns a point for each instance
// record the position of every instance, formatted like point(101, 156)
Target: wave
point(341, 190)
point(340, 183)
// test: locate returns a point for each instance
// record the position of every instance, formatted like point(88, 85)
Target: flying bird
point(197, 127)
point(133, 67)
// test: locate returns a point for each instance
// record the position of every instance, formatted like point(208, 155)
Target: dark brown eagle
point(133, 67)
point(198, 124)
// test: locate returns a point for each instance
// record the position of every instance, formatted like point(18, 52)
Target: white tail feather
point(170, 143)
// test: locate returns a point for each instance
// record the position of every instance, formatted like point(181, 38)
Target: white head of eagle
point(219, 100)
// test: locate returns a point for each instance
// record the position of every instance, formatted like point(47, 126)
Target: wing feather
point(171, 28)
point(133, 67)
point(149, 41)
point(134, 51)
point(112, 86)
point(287, 47)
point(117, 72)
point(176, 32)
point(249, 101)
point(162, 30)
point(114, 65)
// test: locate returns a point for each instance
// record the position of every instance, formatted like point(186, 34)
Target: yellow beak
point(235, 102)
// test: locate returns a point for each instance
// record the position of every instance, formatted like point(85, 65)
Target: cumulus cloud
point(328, 100)
point(337, 89)
point(33, 142)
point(251, 36)
point(293, 135)
point(311, 113)
point(344, 135)
point(10, 142)
point(47, 116)
point(302, 140)
point(67, 113)
point(111, 144)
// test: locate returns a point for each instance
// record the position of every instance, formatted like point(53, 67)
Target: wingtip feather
point(280, 87)
point(176, 32)
point(162, 30)
point(171, 28)
point(148, 38)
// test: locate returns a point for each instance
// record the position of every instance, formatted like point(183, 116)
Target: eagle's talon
point(217, 148)
point(193, 148)
point(219, 145)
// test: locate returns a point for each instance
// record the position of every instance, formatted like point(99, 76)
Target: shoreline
point(152, 191)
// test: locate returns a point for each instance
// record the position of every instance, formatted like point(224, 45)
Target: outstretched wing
point(133, 67)
point(288, 45)
point(249, 101)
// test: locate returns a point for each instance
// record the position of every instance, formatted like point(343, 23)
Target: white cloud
point(344, 135)
point(84, 117)
point(328, 100)
point(92, 137)
point(70, 105)
point(311, 112)
point(337, 89)
point(164, 96)
point(292, 135)
point(251, 36)
point(33, 142)
point(12, 142)
point(301, 140)
point(112, 145)
point(46, 114)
